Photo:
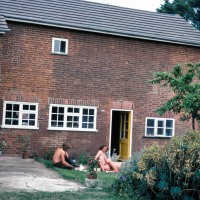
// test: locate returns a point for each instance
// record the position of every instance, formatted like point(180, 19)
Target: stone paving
point(17, 174)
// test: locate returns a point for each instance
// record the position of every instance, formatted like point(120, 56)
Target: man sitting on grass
point(59, 157)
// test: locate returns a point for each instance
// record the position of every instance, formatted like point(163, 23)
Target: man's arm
point(97, 155)
point(64, 162)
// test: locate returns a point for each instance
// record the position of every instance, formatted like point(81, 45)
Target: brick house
point(77, 71)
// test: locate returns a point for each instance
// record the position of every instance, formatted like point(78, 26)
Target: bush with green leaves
point(48, 155)
point(170, 171)
point(83, 158)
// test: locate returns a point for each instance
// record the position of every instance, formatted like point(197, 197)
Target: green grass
point(105, 182)
point(93, 194)
point(105, 179)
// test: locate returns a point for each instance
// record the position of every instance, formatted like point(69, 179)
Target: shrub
point(164, 172)
point(48, 155)
point(83, 158)
point(3, 145)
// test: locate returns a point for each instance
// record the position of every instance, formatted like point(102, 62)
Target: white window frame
point(66, 114)
point(155, 127)
point(60, 40)
point(21, 112)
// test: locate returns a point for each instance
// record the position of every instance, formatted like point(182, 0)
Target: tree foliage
point(188, 9)
point(184, 81)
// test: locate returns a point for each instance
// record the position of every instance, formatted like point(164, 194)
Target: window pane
point(76, 119)
point(53, 124)
point(8, 114)
point(150, 131)
point(160, 131)
point(8, 106)
point(15, 122)
point(61, 117)
point(84, 125)
point(32, 123)
point(126, 134)
point(32, 107)
point(25, 107)
point(16, 107)
point(150, 122)
point(53, 117)
point(76, 110)
point(16, 115)
point(91, 119)
point(60, 124)
point(32, 116)
point(54, 109)
point(122, 134)
point(85, 111)
point(62, 46)
point(169, 132)
point(90, 125)
point(24, 122)
point(91, 112)
point(169, 123)
point(160, 123)
point(8, 121)
point(61, 110)
point(25, 116)
point(84, 118)
point(69, 124)
point(75, 125)
point(56, 46)
point(70, 110)
point(69, 118)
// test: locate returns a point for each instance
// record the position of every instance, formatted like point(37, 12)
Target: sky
point(149, 5)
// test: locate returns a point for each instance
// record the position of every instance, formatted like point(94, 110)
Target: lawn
point(105, 179)
point(105, 183)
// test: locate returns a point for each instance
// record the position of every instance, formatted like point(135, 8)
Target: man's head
point(65, 146)
point(103, 147)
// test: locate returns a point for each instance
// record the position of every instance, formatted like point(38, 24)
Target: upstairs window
point(78, 118)
point(20, 115)
point(159, 127)
point(60, 46)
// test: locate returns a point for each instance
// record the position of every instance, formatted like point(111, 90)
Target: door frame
point(131, 125)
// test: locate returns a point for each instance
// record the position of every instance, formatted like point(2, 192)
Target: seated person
point(105, 163)
point(59, 157)
point(70, 160)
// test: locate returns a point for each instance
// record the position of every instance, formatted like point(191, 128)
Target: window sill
point(30, 128)
point(74, 130)
point(59, 54)
point(158, 137)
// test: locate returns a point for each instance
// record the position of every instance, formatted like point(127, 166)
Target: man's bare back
point(59, 157)
point(58, 154)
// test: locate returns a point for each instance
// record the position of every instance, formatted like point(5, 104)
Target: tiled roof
point(3, 25)
point(102, 18)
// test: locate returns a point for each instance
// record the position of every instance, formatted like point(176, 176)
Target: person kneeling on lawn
point(105, 163)
point(59, 157)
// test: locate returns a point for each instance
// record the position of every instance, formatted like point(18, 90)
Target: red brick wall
point(100, 68)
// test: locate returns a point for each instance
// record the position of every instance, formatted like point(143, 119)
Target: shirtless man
point(105, 163)
point(59, 157)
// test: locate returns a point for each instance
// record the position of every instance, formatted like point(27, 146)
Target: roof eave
point(58, 25)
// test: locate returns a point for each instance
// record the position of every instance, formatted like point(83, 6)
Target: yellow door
point(124, 146)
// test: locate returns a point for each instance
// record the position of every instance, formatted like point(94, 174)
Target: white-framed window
point(70, 117)
point(159, 127)
point(60, 46)
point(20, 115)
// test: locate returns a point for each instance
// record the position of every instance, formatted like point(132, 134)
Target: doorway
point(121, 133)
